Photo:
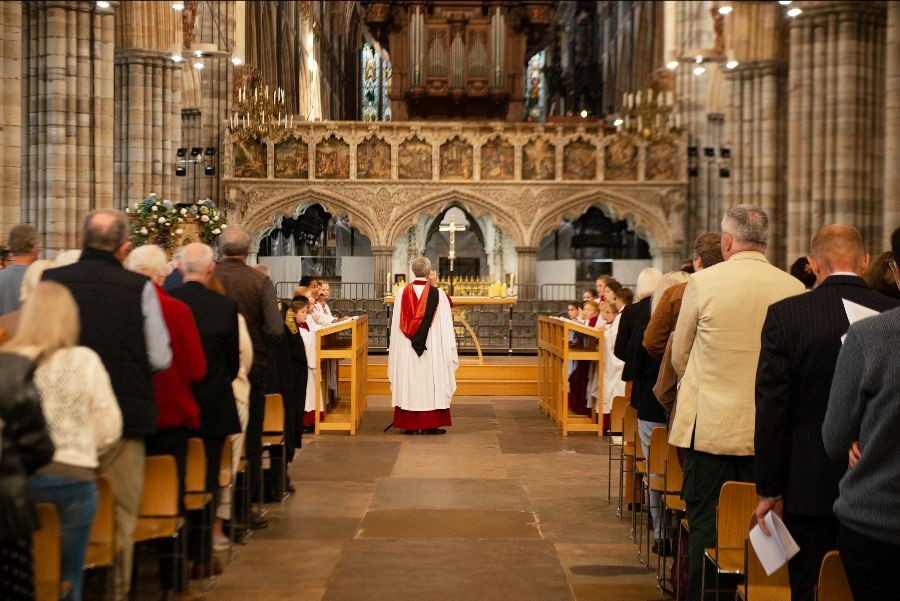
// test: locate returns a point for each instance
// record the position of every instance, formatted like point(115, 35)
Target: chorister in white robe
point(321, 317)
point(309, 342)
point(613, 385)
point(427, 382)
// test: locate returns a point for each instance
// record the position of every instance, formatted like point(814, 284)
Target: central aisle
point(501, 507)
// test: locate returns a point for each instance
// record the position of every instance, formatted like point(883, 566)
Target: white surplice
point(320, 317)
point(309, 342)
point(613, 385)
point(428, 382)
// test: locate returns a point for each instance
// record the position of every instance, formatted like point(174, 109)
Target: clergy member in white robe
point(422, 357)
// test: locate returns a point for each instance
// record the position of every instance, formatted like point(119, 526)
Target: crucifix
point(452, 228)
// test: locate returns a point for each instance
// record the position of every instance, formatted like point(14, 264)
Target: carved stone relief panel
point(414, 159)
point(292, 159)
point(456, 159)
point(621, 160)
point(539, 160)
point(498, 160)
point(332, 159)
point(579, 160)
point(373, 159)
point(662, 159)
point(249, 158)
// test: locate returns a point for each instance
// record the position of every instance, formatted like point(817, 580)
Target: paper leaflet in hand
point(776, 548)
point(856, 312)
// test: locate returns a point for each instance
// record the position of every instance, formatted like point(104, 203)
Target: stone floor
point(502, 507)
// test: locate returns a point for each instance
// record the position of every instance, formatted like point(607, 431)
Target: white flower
point(153, 208)
point(179, 231)
point(204, 218)
point(224, 225)
point(144, 231)
point(216, 218)
point(161, 220)
point(184, 211)
point(217, 231)
point(152, 195)
point(167, 223)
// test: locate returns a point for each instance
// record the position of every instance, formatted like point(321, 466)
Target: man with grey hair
point(422, 357)
point(254, 294)
point(715, 350)
point(23, 251)
point(121, 320)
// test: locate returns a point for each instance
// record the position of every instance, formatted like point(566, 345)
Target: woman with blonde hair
point(81, 411)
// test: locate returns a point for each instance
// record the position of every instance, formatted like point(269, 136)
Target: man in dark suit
point(801, 339)
point(217, 322)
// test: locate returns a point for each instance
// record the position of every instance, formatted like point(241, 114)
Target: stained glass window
point(376, 84)
point(535, 88)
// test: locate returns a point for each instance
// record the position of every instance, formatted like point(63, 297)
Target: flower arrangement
point(210, 218)
point(161, 222)
point(152, 223)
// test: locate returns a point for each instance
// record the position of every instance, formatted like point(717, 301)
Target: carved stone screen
point(498, 160)
point(373, 159)
point(621, 160)
point(539, 160)
point(332, 159)
point(414, 159)
point(662, 161)
point(456, 159)
point(292, 159)
point(249, 158)
point(579, 160)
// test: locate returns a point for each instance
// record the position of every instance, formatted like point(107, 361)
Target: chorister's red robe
point(578, 381)
point(422, 384)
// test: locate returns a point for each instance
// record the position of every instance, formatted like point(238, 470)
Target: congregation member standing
point(217, 322)
point(801, 339)
point(422, 357)
point(81, 413)
point(715, 351)
point(121, 320)
point(23, 251)
point(864, 411)
point(255, 297)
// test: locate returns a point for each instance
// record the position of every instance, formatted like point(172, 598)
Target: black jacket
point(801, 339)
point(216, 318)
point(644, 368)
point(25, 445)
point(112, 325)
point(627, 321)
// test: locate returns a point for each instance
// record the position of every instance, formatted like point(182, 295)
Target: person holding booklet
point(801, 339)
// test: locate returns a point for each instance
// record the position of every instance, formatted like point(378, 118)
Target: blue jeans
point(76, 503)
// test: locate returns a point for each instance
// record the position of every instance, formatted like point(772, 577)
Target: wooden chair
point(833, 585)
point(639, 468)
point(627, 460)
point(758, 585)
point(159, 517)
point(273, 437)
point(672, 503)
point(655, 478)
point(47, 555)
point(102, 548)
point(616, 416)
point(240, 515)
point(196, 497)
point(737, 501)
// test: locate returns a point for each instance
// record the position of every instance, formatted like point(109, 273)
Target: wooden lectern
point(344, 340)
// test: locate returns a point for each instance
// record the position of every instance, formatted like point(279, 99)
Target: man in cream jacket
point(715, 352)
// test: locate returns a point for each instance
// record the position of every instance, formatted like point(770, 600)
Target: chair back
point(629, 424)
point(47, 553)
point(777, 585)
point(226, 463)
point(659, 449)
point(195, 466)
point(160, 498)
point(103, 530)
point(737, 502)
point(616, 414)
point(273, 422)
point(833, 585)
point(674, 473)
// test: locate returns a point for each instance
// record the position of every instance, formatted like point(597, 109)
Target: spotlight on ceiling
point(179, 6)
point(699, 70)
point(199, 66)
point(784, 2)
point(181, 152)
point(618, 122)
point(102, 4)
point(731, 64)
point(177, 58)
point(196, 151)
point(180, 171)
point(198, 53)
point(672, 65)
point(724, 10)
point(793, 12)
point(583, 113)
point(236, 61)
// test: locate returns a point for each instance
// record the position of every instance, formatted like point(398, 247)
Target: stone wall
point(10, 115)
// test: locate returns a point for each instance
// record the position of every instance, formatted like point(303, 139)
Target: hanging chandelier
point(259, 113)
point(649, 114)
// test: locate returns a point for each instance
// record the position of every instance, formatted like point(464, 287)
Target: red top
point(304, 325)
point(175, 402)
point(413, 309)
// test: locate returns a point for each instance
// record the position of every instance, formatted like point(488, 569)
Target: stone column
point(10, 115)
point(384, 256)
point(68, 92)
point(148, 101)
point(756, 124)
point(891, 214)
point(836, 135)
point(526, 278)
